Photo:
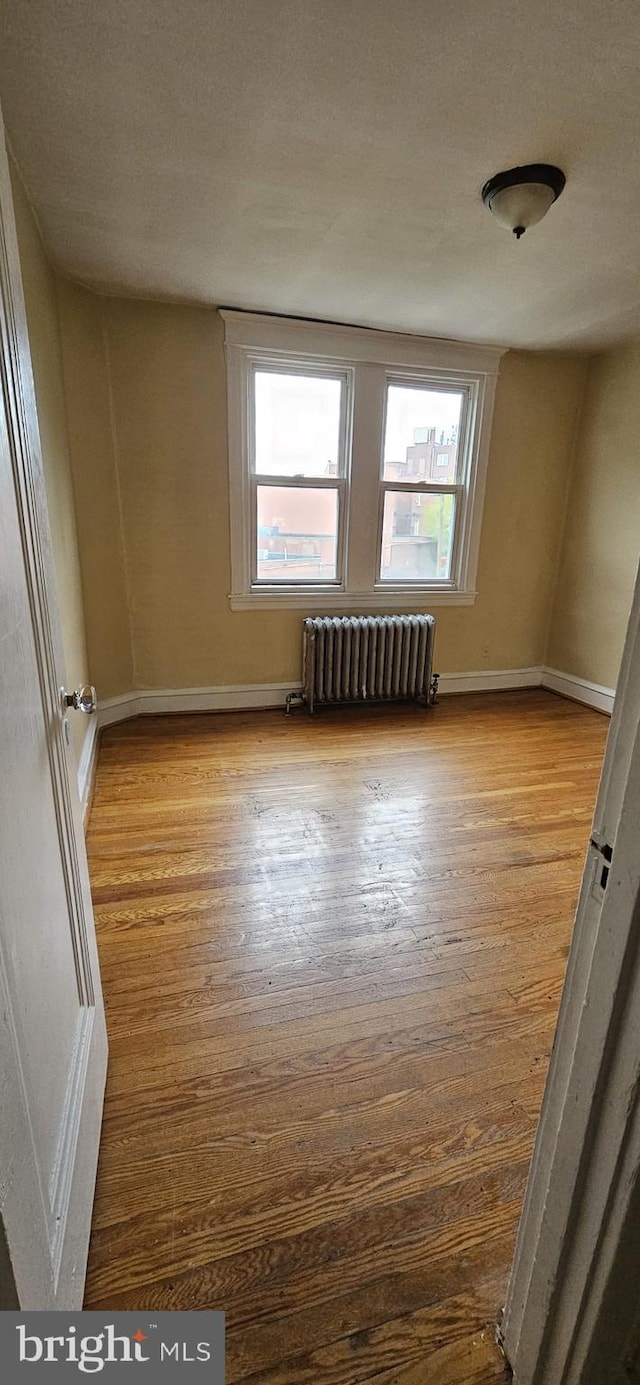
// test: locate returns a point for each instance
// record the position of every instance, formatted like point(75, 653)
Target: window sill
point(330, 599)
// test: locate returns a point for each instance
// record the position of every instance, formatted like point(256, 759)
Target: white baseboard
point(152, 701)
point(249, 696)
point(579, 689)
point(494, 680)
point(111, 709)
point(252, 696)
point(86, 763)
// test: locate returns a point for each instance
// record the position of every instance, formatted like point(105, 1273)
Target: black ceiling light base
point(520, 197)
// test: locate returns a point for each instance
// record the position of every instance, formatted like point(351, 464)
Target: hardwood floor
point(332, 952)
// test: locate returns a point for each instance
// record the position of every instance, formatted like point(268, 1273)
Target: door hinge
point(606, 851)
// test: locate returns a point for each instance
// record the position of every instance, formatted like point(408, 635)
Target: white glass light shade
point(520, 197)
point(523, 205)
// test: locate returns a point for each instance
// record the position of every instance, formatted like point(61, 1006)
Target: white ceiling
point(325, 157)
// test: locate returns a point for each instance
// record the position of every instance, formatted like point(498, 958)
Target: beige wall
point(143, 436)
point(167, 368)
point(42, 320)
point(169, 391)
point(537, 406)
point(93, 442)
point(601, 541)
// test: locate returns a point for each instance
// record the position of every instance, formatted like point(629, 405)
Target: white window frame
point(458, 488)
point(369, 361)
point(339, 482)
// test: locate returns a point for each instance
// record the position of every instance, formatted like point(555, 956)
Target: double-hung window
point(356, 465)
point(421, 501)
point(298, 456)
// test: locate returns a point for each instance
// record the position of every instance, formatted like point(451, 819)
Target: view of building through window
point(421, 445)
point(417, 531)
point(297, 534)
point(422, 427)
point(297, 435)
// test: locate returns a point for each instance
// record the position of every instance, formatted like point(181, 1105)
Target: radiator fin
point(367, 658)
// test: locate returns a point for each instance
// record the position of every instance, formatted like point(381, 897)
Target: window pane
point(297, 534)
point(417, 536)
point(421, 434)
point(297, 424)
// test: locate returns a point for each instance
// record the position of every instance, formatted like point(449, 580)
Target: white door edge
point(577, 1177)
point(46, 1178)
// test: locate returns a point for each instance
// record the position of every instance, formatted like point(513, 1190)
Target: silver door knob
point(83, 699)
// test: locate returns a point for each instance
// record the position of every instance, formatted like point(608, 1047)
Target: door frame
point(51, 1262)
point(587, 1152)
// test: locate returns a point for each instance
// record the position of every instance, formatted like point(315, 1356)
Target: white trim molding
point(254, 696)
point(238, 697)
point(120, 708)
point(326, 603)
point(48, 1173)
point(571, 1311)
point(264, 332)
point(579, 689)
point(227, 698)
point(494, 680)
point(87, 763)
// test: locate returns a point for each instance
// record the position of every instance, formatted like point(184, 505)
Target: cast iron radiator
point(367, 658)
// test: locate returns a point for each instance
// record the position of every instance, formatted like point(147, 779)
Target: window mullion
point(366, 455)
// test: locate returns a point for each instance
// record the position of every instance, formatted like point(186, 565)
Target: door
point(581, 1208)
point(52, 1032)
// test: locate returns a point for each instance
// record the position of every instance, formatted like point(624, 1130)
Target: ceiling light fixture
point(522, 196)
